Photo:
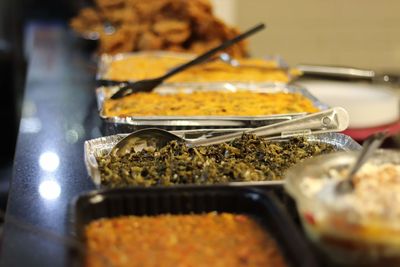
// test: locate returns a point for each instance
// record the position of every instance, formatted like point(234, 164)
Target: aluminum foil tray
point(103, 145)
point(106, 61)
point(118, 124)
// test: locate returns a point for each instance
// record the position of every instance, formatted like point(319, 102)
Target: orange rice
point(180, 241)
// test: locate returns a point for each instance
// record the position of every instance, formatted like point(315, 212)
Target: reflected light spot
point(49, 161)
point(74, 133)
point(230, 87)
point(96, 199)
point(49, 190)
point(29, 109)
point(72, 136)
point(30, 125)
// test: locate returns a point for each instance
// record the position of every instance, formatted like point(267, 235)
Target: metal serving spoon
point(369, 146)
point(331, 120)
point(149, 84)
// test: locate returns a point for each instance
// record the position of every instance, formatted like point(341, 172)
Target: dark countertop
point(59, 114)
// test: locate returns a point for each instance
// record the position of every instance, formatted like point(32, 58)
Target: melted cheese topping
point(146, 66)
point(241, 103)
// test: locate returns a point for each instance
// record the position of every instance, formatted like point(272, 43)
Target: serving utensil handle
point(369, 147)
point(208, 54)
point(332, 120)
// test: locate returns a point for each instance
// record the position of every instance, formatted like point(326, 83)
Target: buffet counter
point(59, 114)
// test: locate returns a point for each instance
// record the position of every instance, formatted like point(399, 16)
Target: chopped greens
point(244, 159)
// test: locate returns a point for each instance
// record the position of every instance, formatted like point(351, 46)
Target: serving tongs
point(332, 120)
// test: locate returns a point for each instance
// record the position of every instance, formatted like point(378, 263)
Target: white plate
point(369, 105)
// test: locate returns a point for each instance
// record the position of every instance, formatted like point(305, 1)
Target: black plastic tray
point(259, 204)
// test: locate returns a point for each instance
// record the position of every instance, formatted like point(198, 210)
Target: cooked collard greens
point(244, 159)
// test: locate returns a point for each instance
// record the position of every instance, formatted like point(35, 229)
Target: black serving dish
point(258, 204)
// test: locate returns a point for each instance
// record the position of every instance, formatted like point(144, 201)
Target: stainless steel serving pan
point(103, 145)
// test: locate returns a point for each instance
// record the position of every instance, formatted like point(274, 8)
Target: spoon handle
point(213, 51)
point(369, 146)
point(106, 82)
point(331, 120)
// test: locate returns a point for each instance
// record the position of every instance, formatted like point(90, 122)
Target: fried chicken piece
point(147, 10)
point(106, 4)
point(150, 41)
point(202, 46)
point(172, 31)
point(87, 19)
point(123, 40)
point(203, 4)
point(175, 48)
point(175, 25)
point(121, 16)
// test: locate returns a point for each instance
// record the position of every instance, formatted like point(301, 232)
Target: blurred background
point(354, 34)
point(351, 33)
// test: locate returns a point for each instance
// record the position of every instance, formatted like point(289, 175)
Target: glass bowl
point(359, 228)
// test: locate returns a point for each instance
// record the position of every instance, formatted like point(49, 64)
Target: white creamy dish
point(376, 195)
point(357, 228)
